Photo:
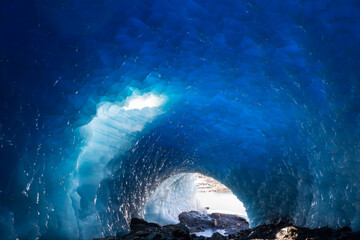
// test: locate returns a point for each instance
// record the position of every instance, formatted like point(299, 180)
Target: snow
point(222, 203)
point(210, 232)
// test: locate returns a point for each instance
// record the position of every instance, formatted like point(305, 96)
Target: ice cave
point(186, 192)
point(102, 102)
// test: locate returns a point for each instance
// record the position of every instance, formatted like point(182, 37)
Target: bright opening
point(216, 197)
point(201, 203)
point(142, 101)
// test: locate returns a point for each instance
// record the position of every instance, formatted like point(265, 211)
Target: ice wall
point(110, 133)
point(175, 195)
point(261, 95)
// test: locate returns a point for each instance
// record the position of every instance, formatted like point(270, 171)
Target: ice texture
point(102, 101)
point(175, 195)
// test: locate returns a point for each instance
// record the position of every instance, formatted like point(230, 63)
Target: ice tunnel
point(185, 192)
point(102, 101)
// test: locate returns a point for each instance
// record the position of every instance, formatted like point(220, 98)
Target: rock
point(287, 233)
point(154, 236)
point(178, 231)
point(141, 229)
point(142, 233)
point(231, 223)
point(317, 233)
point(106, 238)
point(137, 224)
point(217, 236)
point(136, 221)
point(182, 227)
point(283, 232)
point(198, 222)
point(181, 231)
point(267, 231)
point(195, 220)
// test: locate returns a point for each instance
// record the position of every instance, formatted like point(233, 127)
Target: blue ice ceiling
point(101, 101)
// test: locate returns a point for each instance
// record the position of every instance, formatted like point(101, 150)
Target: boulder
point(198, 222)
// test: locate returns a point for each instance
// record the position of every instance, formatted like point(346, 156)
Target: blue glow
point(101, 101)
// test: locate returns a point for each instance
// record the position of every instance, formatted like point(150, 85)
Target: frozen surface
point(109, 134)
point(102, 101)
point(175, 195)
point(210, 232)
point(222, 203)
point(179, 194)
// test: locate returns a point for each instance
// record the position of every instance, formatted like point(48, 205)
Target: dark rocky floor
point(197, 222)
point(284, 231)
point(141, 229)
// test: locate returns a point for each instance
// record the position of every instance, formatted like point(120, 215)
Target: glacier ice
point(109, 134)
point(175, 195)
point(179, 193)
point(102, 102)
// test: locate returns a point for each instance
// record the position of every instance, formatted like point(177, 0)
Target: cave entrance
point(216, 197)
point(202, 202)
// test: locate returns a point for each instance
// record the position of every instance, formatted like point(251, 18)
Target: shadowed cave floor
point(141, 229)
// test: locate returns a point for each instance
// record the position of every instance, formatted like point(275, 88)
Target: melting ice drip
point(109, 134)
